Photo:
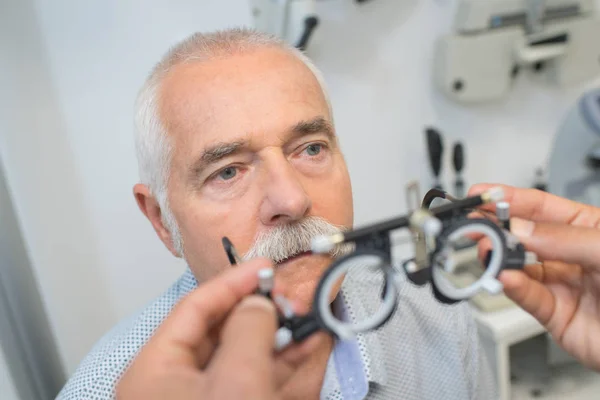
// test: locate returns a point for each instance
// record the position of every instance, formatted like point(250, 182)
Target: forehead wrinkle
point(187, 113)
point(182, 79)
point(176, 112)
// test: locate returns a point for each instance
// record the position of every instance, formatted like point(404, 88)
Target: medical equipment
point(266, 281)
point(435, 150)
point(495, 39)
point(232, 255)
point(573, 163)
point(444, 237)
point(539, 181)
point(292, 20)
point(266, 276)
point(458, 162)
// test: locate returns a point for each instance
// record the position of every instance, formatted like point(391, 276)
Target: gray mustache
point(286, 241)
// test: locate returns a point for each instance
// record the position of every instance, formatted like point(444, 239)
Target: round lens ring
point(322, 302)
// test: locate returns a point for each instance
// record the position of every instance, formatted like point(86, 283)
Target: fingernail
point(256, 301)
point(521, 227)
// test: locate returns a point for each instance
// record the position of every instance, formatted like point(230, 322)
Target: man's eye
point(314, 149)
point(228, 173)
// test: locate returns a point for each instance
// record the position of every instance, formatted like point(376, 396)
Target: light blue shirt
point(426, 351)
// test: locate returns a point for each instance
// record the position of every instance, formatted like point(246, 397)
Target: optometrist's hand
point(217, 343)
point(563, 292)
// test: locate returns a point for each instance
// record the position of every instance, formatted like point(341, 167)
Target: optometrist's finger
point(288, 362)
point(530, 294)
point(245, 353)
point(181, 337)
point(551, 272)
point(536, 205)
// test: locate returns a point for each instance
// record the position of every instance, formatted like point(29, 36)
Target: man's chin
point(300, 275)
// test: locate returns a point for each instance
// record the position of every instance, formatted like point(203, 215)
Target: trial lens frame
point(438, 234)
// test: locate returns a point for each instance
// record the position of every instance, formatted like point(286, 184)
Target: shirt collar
point(188, 282)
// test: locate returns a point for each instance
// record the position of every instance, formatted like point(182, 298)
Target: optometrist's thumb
point(245, 358)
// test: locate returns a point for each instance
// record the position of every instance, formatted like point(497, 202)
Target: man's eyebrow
point(219, 151)
point(317, 125)
point(215, 153)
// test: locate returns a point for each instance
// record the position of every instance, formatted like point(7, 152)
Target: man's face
point(254, 149)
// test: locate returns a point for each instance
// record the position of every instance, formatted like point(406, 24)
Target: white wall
point(68, 84)
point(7, 387)
point(46, 186)
point(378, 61)
point(66, 132)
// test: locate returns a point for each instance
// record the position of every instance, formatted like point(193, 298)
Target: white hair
point(153, 146)
point(284, 241)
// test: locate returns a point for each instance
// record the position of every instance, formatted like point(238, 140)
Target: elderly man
point(235, 138)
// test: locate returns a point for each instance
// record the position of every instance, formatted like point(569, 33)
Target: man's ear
point(151, 209)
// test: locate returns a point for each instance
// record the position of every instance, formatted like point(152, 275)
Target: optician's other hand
point(217, 343)
point(563, 292)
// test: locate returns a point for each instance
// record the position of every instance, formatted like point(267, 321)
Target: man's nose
point(285, 199)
